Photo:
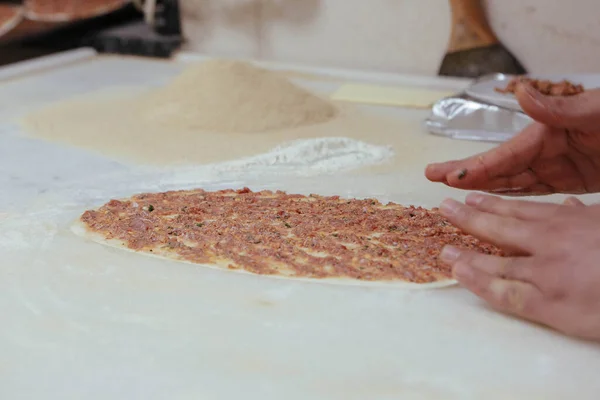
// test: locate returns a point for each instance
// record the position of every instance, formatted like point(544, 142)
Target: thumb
point(580, 112)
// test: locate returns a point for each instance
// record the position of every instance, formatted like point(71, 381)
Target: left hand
point(553, 274)
point(559, 153)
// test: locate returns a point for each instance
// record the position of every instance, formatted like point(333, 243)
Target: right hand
point(550, 276)
point(559, 153)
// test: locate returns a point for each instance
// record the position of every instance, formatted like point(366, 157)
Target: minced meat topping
point(285, 234)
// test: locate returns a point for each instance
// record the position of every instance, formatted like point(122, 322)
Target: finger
point(510, 296)
point(436, 172)
point(578, 112)
point(505, 166)
point(505, 232)
point(521, 209)
point(573, 201)
point(512, 268)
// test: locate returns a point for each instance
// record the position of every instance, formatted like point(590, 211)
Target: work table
point(84, 321)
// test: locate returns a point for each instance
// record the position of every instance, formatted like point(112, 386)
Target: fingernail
point(474, 199)
point(530, 90)
point(449, 254)
point(533, 93)
point(573, 201)
point(462, 272)
point(449, 207)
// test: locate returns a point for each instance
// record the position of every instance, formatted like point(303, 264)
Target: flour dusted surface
point(160, 126)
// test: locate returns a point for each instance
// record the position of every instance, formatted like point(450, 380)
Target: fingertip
point(527, 95)
point(524, 88)
point(449, 207)
point(431, 172)
point(535, 104)
point(436, 173)
point(449, 254)
point(572, 112)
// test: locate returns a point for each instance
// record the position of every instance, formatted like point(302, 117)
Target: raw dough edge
point(80, 229)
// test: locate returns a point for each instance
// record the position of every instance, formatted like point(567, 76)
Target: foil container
point(464, 117)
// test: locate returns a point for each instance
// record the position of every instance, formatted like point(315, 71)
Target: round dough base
point(80, 229)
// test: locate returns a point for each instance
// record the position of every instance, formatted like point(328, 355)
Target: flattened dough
point(79, 229)
point(315, 238)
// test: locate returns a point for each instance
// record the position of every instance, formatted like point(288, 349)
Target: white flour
point(303, 157)
point(314, 156)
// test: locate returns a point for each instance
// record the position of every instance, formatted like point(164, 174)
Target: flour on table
point(319, 155)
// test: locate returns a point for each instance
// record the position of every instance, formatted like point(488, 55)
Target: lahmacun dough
point(312, 237)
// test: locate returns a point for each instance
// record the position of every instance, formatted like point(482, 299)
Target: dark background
point(122, 32)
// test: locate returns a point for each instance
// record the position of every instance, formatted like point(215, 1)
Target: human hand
point(553, 274)
point(560, 153)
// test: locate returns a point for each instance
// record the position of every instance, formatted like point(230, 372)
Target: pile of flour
point(233, 96)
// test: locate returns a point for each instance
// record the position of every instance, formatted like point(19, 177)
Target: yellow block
point(389, 95)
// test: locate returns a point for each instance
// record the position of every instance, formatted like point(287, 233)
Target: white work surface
point(81, 321)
